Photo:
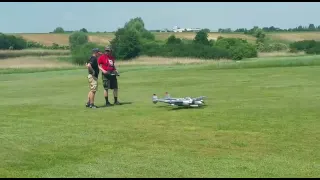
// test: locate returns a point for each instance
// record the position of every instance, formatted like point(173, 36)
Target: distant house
point(178, 29)
point(193, 29)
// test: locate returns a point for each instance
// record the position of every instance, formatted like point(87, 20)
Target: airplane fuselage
point(185, 102)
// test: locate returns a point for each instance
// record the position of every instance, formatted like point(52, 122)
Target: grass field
point(299, 36)
point(258, 122)
point(104, 38)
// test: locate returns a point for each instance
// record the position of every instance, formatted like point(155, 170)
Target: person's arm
point(89, 66)
point(114, 66)
point(100, 65)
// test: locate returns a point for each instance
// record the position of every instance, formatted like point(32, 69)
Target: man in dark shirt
point(93, 71)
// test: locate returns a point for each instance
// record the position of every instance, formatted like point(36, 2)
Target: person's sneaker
point(117, 103)
point(87, 104)
point(108, 104)
point(93, 106)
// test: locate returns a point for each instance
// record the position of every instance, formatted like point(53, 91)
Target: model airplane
point(183, 102)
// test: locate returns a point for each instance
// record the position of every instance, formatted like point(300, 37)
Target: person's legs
point(88, 102)
point(115, 94)
point(93, 90)
point(89, 94)
point(106, 86)
point(114, 86)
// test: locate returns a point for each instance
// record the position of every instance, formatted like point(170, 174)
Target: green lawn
point(259, 122)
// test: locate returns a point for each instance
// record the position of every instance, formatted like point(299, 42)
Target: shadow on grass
point(122, 103)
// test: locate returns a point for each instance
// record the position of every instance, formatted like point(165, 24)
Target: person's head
point(108, 50)
point(95, 52)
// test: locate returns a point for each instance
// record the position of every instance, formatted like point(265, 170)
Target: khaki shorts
point(93, 83)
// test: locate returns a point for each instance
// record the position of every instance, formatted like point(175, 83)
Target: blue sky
point(35, 17)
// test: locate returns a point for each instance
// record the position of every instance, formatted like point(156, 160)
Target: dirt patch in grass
point(34, 62)
point(47, 39)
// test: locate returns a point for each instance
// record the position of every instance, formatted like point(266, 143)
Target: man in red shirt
point(109, 75)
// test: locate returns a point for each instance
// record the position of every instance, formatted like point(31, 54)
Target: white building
point(178, 29)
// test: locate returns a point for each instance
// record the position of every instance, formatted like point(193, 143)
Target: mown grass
point(260, 62)
point(257, 123)
point(269, 62)
point(32, 52)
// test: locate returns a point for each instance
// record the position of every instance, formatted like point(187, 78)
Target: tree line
point(133, 40)
point(300, 28)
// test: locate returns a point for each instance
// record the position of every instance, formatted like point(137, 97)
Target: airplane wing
point(199, 98)
point(171, 101)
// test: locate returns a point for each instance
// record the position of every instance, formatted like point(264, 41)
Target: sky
point(43, 17)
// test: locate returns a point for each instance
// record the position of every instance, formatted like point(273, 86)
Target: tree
point(58, 30)
point(206, 30)
point(77, 38)
point(260, 35)
point(126, 44)
point(137, 25)
point(201, 38)
point(312, 27)
point(128, 40)
point(84, 30)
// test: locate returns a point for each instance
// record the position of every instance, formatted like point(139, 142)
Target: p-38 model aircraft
point(182, 102)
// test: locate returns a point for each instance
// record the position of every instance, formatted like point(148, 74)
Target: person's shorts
point(109, 82)
point(93, 83)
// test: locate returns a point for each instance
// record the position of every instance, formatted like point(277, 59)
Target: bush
point(309, 46)
point(185, 50)
point(314, 50)
point(173, 40)
point(239, 48)
point(228, 43)
point(303, 45)
point(243, 51)
point(223, 48)
point(271, 47)
point(81, 54)
point(32, 44)
point(77, 38)
point(12, 42)
point(151, 48)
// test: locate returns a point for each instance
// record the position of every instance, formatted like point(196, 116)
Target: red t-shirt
point(107, 62)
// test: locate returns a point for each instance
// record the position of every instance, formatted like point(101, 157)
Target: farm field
point(258, 122)
point(104, 38)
